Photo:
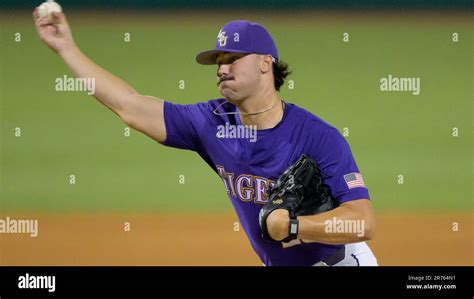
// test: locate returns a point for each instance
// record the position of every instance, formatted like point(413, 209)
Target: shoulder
point(214, 112)
point(208, 106)
point(208, 109)
point(320, 138)
point(312, 124)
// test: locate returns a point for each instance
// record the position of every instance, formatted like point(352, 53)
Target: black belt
point(338, 256)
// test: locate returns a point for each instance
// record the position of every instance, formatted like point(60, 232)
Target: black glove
point(301, 191)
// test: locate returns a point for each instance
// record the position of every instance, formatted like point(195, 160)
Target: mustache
point(224, 78)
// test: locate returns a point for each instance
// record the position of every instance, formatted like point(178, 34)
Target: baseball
point(46, 8)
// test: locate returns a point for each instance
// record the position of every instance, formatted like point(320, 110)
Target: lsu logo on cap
point(222, 38)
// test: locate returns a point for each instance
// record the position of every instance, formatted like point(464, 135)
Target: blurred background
point(71, 163)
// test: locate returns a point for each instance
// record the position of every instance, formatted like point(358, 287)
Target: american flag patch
point(354, 180)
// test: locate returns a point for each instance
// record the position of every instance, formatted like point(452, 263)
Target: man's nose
point(222, 70)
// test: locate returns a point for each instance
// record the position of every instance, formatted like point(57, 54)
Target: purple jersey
point(249, 167)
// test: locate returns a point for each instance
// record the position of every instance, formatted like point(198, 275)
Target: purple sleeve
point(183, 122)
point(334, 157)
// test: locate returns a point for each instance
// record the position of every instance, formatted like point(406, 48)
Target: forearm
point(351, 222)
point(345, 224)
point(110, 90)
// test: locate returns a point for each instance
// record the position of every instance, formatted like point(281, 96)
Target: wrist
point(292, 229)
point(69, 51)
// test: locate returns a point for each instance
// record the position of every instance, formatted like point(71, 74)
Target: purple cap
point(240, 37)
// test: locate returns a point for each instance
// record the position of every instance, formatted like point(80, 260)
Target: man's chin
point(230, 97)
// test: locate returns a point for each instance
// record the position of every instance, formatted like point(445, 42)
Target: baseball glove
point(301, 191)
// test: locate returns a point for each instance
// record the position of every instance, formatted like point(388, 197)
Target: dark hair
point(280, 72)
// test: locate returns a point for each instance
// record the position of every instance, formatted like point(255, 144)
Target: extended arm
point(143, 113)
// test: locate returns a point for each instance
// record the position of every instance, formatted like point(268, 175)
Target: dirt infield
point(189, 239)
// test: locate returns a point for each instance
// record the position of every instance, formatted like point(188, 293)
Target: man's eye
point(227, 60)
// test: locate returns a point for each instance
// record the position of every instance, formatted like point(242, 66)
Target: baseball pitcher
point(290, 176)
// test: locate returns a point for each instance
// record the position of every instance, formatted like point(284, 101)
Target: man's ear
point(266, 64)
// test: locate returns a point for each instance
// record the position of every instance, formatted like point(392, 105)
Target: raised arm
point(143, 113)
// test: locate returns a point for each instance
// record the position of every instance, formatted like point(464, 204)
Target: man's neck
point(262, 102)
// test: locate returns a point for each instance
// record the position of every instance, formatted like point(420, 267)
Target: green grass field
point(391, 133)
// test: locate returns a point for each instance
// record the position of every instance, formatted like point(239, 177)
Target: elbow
point(124, 113)
point(126, 119)
point(368, 231)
